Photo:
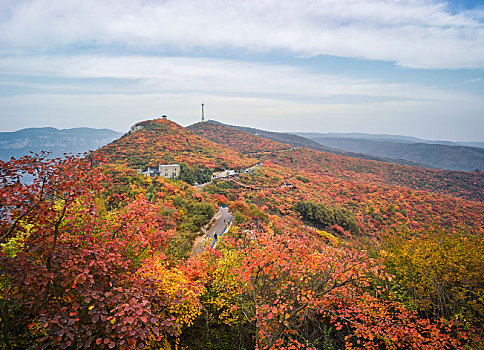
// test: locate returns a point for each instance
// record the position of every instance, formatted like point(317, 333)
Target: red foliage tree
point(68, 266)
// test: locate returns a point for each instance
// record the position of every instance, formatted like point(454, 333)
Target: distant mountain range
point(439, 154)
point(385, 137)
point(76, 140)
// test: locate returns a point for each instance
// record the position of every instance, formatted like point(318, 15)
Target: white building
point(135, 128)
point(170, 171)
point(223, 174)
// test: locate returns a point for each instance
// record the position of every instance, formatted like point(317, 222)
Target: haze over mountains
point(76, 140)
point(462, 156)
point(451, 157)
point(386, 137)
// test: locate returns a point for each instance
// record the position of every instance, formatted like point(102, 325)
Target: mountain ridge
point(404, 150)
point(297, 140)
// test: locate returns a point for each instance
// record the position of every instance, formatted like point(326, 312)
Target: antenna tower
point(203, 114)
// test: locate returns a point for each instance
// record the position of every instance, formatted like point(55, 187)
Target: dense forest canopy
point(323, 252)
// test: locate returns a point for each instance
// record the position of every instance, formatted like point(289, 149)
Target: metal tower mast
point(203, 114)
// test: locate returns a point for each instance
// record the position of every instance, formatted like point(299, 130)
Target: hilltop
point(161, 141)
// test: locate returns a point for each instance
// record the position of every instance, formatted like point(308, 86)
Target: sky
point(408, 67)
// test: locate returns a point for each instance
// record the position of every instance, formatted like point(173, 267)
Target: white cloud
point(420, 34)
point(142, 75)
point(116, 92)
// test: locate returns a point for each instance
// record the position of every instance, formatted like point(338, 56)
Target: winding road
point(224, 219)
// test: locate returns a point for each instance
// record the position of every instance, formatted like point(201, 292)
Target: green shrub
point(325, 216)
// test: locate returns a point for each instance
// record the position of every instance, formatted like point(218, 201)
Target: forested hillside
point(323, 251)
point(453, 183)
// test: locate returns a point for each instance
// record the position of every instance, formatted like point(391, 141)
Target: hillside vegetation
point(324, 252)
point(162, 141)
point(458, 184)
